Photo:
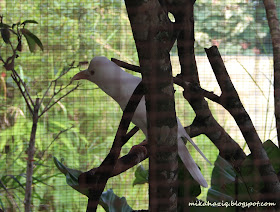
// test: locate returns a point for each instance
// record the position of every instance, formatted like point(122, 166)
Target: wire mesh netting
point(81, 29)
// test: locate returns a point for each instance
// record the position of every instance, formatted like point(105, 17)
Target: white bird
point(120, 85)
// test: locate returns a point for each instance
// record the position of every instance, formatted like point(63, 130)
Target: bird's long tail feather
point(195, 146)
point(190, 164)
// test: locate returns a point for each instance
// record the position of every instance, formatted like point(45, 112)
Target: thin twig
point(49, 107)
point(46, 92)
point(56, 137)
point(15, 78)
point(10, 196)
point(25, 88)
point(55, 81)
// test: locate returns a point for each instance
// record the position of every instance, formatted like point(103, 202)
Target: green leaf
point(17, 181)
point(246, 185)
point(72, 176)
point(112, 203)
point(32, 40)
point(29, 21)
point(226, 184)
point(2, 205)
point(273, 153)
point(31, 43)
point(141, 176)
point(5, 33)
point(250, 173)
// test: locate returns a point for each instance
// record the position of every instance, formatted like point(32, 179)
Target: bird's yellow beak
point(80, 75)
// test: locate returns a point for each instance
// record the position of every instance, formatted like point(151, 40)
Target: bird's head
point(96, 69)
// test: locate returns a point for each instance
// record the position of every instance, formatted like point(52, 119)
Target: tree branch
point(31, 152)
point(273, 23)
point(25, 93)
point(96, 179)
point(153, 31)
point(204, 123)
point(229, 99)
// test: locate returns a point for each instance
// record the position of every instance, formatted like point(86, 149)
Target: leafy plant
point(34, 106)
point(228, 184)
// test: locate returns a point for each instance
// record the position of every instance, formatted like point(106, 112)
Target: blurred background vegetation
point(78, 30)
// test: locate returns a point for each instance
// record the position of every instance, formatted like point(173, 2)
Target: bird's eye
point(91, 72)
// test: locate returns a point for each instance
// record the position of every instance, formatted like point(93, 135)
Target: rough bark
point(153, 35)
point(230, 100)
point(31, 152)
point(204, 120)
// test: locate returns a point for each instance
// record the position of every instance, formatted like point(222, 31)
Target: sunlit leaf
point(141, 176)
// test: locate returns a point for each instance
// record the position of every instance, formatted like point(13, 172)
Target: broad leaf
point(32, 40)
point(245, 185)
point(250, 173)
point(141, 176)
point(5, 33)
point(112, 203)
point(72, 176)
point(108, 200)
point(29, 21)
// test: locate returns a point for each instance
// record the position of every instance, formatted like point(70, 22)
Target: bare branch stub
point(230, 100)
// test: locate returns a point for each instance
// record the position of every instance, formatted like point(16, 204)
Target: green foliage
point(78, 31)
point(71, 175)
point(236, 27)
point(227, 184)
point(5, 33)
point(20, 30)
point(108, 200)
point(32, 40)
point(141, 175)
point(112, 203)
